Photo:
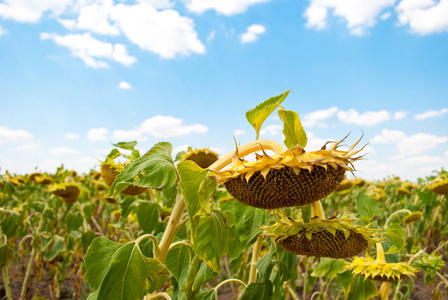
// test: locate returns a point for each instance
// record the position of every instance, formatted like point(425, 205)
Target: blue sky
point(79, 75)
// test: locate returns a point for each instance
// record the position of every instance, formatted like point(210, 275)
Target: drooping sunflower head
point(202, 157)
point(377, 270)
point(430, 263)
point(344, 185)
point(293, 178)
point(439, 185)
point(376, 192)
point(334, 237)
point(68, 192)
point(110, 171)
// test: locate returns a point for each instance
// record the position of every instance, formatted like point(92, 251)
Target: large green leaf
point(366, 206)
point(197, 188)
point(211, 239)
point(258, 115)
point(258, 291)
point(73, 221)
point(362, 289)
point(178, 260)
point(148, 216)
point(6, 254)
point(328, 267)
point(265, 265)
point(292, 129)
point(204, 275)
point(57, 246)
point(155, 169)
point(126, 145)
point(121, 271)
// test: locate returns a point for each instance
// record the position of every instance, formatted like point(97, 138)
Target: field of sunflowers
point(287, 225)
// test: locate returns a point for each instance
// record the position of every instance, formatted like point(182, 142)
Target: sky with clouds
point(79, 75)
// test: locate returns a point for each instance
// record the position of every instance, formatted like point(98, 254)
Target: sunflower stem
point(246, 150)
point(385, 290)
point(171, 228)
point(395, 213)
point(380, 257)
point(317, 210)
point(255, 256)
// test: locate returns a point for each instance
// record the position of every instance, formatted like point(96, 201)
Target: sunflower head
point(377, 270)
point(439, 185)
point(202, 157)
point(334, 238)
point(376, 192)
point(429, 263)
point(344, 185)
point(293, 178)
point(412, 217)
point(68, 192)
point(110, 170)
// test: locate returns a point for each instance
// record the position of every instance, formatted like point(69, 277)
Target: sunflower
point(68, 192)
point(334, 237)
point(439, 185)
point(110, 171)
point(380, 270)
point(344, 185)
point(202, 157)
point(289, 178)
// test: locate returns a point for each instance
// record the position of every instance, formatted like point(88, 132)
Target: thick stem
point(7, 282)
point(395, 213)
point(291, 292)
point(155, 296)
point(227, 281)
point(317, 210)
point(380, 257)
point(255, 255)
point(246, 150)
point(385, 290)
point(154, 242)
point(171, 228)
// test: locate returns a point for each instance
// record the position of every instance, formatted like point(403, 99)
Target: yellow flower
point(289, 178)
point(335, 238)
point(439, 185)
point(202, 157)
point(380, 270)
point(110, 171)
point(68, 192)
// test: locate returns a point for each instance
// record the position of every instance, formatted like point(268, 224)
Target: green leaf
point(57, 247)
point(328, 267)
point(306, 213)
point(366, 206)
point(204, 275)
point(396, 235)
point(178, 260)
point(211, 239)
point(86, 238)
point(292, 129)
point(73, 221)
point(187, 285)
point(6, 254)
point(265, 265)
point(257, 291)
point(258, 115)
point(148, 216)
point(192, 177)
point(9, 188)
point(126, 145)
point(155, 169)
point(121, 271)
point(362, 289)
point(345, 280)
point(209, 295)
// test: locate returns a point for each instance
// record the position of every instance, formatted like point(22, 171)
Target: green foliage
point(258, 291)
point(258, 115)
point(292, 129)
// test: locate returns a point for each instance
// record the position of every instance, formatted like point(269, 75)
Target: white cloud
point(94, 17)
point(97, 134)
point(211, 36)
point(13, 135)
point(418, 143)
point(160, 4)
point(431, 114)
point(424, 16)
point(252, 33)
point(31, 10)
point(369, 118)
point(314, 118)
point(386, 15)
point(179, 149)
point(388, 136)
point(63, 150)
point(272, 130)
point(314, 143)
point(399, 115)
point(89, 49)
point(2, 31)
point(409, 145)
point(359, 15)
point(166, 126)
point(71, 136)
point(165, 33)
point(28, 147)
point(239, 132)
point(225, 7)
point(127, 135)
point(124, 85)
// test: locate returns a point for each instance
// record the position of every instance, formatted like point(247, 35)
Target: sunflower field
point(283, 224)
